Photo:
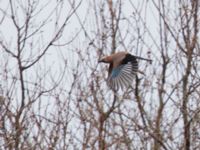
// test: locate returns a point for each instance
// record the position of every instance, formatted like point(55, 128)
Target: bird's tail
point(138, 57)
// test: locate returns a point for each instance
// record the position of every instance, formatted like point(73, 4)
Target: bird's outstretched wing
point(123, 75)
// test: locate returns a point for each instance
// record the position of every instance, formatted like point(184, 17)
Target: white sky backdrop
point(52, 58)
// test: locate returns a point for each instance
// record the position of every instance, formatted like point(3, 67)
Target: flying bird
point(122, 70)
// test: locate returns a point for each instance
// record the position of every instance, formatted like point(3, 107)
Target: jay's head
point(106, 59)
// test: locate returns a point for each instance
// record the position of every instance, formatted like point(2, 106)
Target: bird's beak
point(101, 60)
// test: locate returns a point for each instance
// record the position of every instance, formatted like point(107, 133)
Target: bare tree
point(28, 80)
point(54, 93)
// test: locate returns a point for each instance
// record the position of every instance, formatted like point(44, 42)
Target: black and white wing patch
point(123, 75)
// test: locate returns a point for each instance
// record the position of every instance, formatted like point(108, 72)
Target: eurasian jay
point(122, 70)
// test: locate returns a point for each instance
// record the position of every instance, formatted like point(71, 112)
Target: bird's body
point(122, 70)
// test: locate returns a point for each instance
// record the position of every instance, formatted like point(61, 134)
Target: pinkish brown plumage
point(122, 70)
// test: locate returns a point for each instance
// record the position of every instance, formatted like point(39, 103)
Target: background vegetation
point(53, 93)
